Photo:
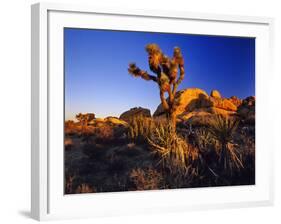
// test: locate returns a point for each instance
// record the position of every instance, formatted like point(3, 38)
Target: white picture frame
point(48, 201)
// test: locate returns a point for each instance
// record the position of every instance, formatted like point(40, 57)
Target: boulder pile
point(195, 106)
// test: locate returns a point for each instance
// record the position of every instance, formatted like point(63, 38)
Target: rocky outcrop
point(187, 100)
point(215, 94)
point(221, 103)
point(196, 106)
point(236, 101)
point(113, 121)
point(134, 112)
point(203, 116)
point(247, 109)
point(191, 99)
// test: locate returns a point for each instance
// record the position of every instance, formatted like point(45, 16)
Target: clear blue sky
point(96, 63)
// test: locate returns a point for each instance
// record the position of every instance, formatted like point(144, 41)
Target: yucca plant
point(203, 138)
point(223, 129)
point(175, 153)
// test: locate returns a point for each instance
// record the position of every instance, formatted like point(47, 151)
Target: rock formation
point(236, 101)
point(215, 94)
point(113, 121)
point(196, 106)
point(133, 112)
point(187, 100)
point(247, 109)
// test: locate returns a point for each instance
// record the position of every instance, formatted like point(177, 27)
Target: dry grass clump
point(69, 182)
point(84, 188)
point(77, 128)
point(69, 124)
point(70, 127)
point(175, 153)
point(68, 143)
point(140, 127)
point(73, 187)
point(223, 129)
point(146, 179)
point(104, 133)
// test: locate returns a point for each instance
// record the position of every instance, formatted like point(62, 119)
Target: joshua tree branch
point(181, 77)
point(178, 58)
point(137, 72)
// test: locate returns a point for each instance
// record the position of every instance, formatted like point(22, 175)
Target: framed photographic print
point(148, 111)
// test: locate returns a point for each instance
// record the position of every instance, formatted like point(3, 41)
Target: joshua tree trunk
point(173, 118)
point(166, 70)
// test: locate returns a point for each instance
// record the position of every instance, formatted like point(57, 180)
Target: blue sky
point(96, 63)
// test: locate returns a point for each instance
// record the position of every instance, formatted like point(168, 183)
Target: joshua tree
point(167, 78)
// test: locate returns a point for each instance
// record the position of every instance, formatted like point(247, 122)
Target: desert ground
point(213, 145)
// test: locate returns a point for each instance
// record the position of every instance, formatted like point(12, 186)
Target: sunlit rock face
point(215, 94)
point(236, 101)
point(187, 100)
point(194, 105)
point(113, 121)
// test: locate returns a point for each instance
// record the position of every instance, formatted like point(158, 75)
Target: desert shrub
point(86, 133)
point(105, 131)
point(129, 150)
point(223, 129)
point(104, 134)
point(94, 151)
point(84, 188)
point(71, 128)
point(174, 151)
point(247, 150)
point(110, 135)
point(146, 179)
point(117, 165)
point(69, 123)
point(72, 182)
point(140, 127)
point(68, 143)
point(69, 182)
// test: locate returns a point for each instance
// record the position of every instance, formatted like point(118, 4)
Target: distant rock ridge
point(114, 121)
